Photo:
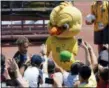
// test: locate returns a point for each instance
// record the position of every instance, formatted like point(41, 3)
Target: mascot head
point(65, 21)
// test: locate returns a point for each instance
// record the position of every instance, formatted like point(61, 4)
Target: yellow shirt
point(101, 13)
point(91, 82)
point(56, 45)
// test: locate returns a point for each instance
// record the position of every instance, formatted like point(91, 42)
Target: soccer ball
point(90, 18)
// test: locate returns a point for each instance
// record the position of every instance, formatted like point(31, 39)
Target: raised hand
point(11, 63)
point(43, 49)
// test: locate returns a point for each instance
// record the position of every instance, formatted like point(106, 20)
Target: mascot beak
point(55, 31)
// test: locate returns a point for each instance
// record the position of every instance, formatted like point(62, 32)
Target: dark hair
point(36, 65)
point(2, 60)
point(51, 67)
point(22, 40)
point(105, 74)
point(2, 63)
point(74, 69)
point(85, 72)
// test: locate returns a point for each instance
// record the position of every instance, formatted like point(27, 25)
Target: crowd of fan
point(24, 70)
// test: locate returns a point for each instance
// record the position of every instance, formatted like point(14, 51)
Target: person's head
point(84, 73)
point(74, 69)
point(51, 66)
point(103, 73)
point(36, 60)
point(23, 44)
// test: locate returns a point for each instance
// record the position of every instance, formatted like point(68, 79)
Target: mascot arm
point(75, 48)
point(48, 43)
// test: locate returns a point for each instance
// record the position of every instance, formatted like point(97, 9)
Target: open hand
point(11, 63)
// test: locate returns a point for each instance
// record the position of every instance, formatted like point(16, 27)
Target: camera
point(49, 81)
point(79, 41)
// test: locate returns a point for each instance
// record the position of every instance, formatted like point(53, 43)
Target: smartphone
point(49, 81)
point(79, 41)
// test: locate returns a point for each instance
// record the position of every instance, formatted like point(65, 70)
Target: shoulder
point(73, 40)
point(32, 69)
point(76, 77)
point(49, 39)
point(59, 75)
point(92, 79)
point(16, 54)
point(65, 74)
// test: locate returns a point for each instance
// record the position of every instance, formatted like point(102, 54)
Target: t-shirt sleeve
point(41, 74)
point(48, 43)
point(92, 80)
point(65, 75)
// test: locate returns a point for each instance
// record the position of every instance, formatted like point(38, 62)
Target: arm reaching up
point(87, 55)
point(91, 59)
point(92, 56)
point(43, 52)
point(14, 67)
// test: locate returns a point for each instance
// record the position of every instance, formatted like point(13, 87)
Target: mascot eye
point(65, 26)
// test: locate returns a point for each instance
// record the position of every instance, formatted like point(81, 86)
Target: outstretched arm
point(93, 57)
point(87, 55)
point(44, 54)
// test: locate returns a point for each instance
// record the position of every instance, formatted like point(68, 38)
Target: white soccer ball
point(90, 18)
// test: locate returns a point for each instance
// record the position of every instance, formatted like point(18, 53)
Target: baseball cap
point(37, 59)
point(65, 55)
point(104, 58)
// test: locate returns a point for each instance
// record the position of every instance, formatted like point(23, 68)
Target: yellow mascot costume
point(65, 23)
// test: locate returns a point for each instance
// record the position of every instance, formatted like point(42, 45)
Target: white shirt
point(31, 75)
point(69, 79)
